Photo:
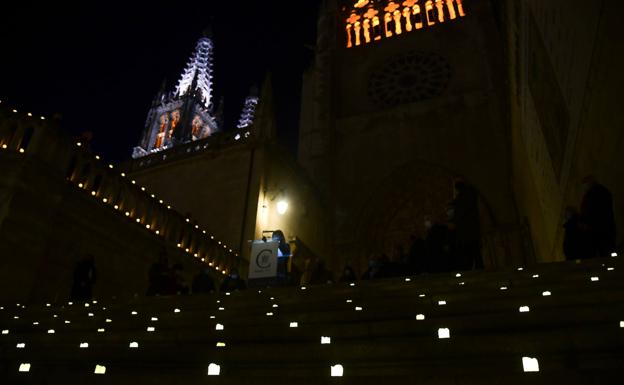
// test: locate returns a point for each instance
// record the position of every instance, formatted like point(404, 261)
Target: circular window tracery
point(409, 78)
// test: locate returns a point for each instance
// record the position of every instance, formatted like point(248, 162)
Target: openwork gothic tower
point(187, 114)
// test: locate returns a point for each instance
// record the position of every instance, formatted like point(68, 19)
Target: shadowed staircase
point(548, 324)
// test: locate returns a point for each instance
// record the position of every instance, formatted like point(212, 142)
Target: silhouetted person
point(374, 269)
point(389, 268)
point(84, 278)
point(417, 255)
point(177, 279)
point(320, 274)
point(233, 282)
point(202, 282)
point(283, 254)
point(466, 226)
point(158, 274)
point(438, 248)
point(597, 217)
point(575, 240)
point(348, 275)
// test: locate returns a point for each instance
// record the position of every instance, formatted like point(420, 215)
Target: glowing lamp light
point(408, 279)
point(269, 314)
point(595, 279)
point(214, 369)
point(90, 314)
point(5, 331)
point(614, 255)
point(546, 293)
point(67, 321)
point(444, 333)
point(535, 275)
point(442, 303)
point(520, 268)
point(84, 345)
point(352, 284)
point(458, 275)
point(294, 325)
point(621, 325)
point(218, 327)
point(336, 370)
point(80, 185)
point(133, 345)
point(108, 320)
point(101, 330)
point(151, 329)
point(20, 345)
point(21, 150)
point(275, 305)
point(221, 308)
point(524, 309)
point(503, 287)
point(358, 308)
point(35, 323)
point(134, 312)
point(325, 340)
point(51, 331)
point(349, 300)
point(530, 364)
point(220, 344)
point(24, 367)
point(610, 268)
point(420, 317)
point(282, 207)
point(99, 369)
point(303, 288)
point(154, 319)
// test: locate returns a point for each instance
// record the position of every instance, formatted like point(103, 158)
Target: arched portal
point(396, 208)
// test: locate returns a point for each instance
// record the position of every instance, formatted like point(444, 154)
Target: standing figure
point(467, 227)
point(597, 217)
point(575, 240)
point(84, 278)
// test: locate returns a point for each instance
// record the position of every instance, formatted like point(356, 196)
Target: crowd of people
point(590, 230)
point(448, 245)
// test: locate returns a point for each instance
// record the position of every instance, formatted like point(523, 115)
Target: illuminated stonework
point(371, 20)
point(185, 114)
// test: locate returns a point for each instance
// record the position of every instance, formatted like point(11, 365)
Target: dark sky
point(100, 64)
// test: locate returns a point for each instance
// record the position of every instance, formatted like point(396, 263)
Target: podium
point(267, 267)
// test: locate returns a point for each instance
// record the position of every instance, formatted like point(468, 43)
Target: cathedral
point(403, 100)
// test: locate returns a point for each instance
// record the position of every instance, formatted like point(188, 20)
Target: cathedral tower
point(187, 113)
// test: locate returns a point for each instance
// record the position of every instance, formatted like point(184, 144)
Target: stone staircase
point(378, 330)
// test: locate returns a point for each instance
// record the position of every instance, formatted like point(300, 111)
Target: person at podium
point(283, 255)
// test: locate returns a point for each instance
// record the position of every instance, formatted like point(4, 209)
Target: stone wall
point(564, 76)
point(59, 202)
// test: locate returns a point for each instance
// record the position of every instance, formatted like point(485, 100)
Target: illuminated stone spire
point(198, 73)
point(249, 109)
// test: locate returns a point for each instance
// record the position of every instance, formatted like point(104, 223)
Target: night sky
point(100, 65)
